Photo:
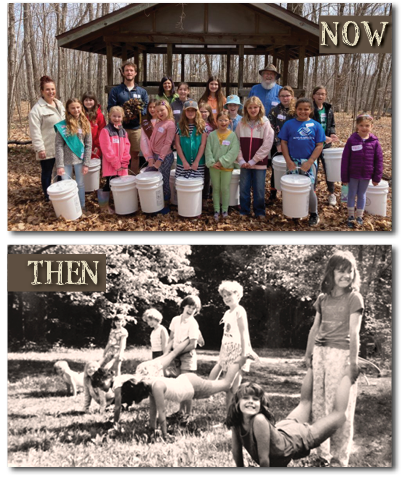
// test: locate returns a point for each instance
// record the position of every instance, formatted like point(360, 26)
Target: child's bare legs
point(233, 390)
point(117, 363)
point(303, 411)
point(214, 374)
point(225, 384)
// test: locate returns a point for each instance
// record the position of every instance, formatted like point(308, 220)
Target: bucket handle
point(61, 175)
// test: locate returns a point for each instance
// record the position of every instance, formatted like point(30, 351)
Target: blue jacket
point(269, 98)
point(120, 95)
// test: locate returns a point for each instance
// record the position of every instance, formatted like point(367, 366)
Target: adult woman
point(43, 116)
point(166, 90)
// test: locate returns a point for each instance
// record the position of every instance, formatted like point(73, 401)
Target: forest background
point(354, 81)
point(281, 284)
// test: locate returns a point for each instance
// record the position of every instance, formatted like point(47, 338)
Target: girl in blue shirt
point(302, 141)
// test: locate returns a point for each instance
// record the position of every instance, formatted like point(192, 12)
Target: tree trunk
point(378, 75)
point(12, 52)
point(32, 97)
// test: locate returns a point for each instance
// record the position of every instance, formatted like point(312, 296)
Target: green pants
point(220, 188)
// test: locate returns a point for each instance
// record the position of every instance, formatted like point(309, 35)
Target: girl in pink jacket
point(115, 147)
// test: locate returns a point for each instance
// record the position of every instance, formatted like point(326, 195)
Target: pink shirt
point(162, 138)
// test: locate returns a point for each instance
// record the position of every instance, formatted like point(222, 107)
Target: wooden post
point(124, 53)
point(109, 64)
point(301, 59)
point(169, 59)
point(228, 71)
point(241, 67)
point(136, 61)
point(145, 68)
point(266, 60)
point(182, 67)
point(285, 66)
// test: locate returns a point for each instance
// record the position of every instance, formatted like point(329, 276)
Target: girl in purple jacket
point(362, 161)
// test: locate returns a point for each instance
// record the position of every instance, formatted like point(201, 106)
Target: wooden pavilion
point(230, 29)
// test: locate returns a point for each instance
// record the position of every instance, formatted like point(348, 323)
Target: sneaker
point(332, 200)
point(224, 215)
point(314, 219)
point(216, 216)
point(85, 212)
point(261, 218)
point(350, 222)
point(359, 221)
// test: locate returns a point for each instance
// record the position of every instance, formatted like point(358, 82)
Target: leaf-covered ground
point(27, 210)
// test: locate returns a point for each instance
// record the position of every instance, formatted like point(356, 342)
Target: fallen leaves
point(27, 211)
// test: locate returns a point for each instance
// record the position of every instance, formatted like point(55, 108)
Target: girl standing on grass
point(213, 96)
point(324, 114)
point(102, 398)
point(114, 350)
point(221, 154)
point(159, 334)
point(159, 152)
point(96, 119)
point(361, 162)
point(74, 145)
point(190, 142)
point(256, 138)
point(301, 144)
point(276, 445)
point(333, 345)
point(236, 342)
point(178, 105)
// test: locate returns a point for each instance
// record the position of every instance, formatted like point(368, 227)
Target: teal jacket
point(226, 154)
point(190, 147)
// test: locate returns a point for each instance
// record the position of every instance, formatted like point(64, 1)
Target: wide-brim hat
point(270, 67)
point(234, 100)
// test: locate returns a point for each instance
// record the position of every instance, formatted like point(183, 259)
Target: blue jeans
point(254, 178)
point(79, 179)
point(357, 187)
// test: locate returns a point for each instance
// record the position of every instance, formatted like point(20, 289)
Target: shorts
point(202, 387)
point(228, 354)
point(298, 435)
point(186, 361)
point(134, 136)
point(156, 354)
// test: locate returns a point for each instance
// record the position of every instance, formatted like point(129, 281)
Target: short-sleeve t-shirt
point(335, 314)
point(182, 330)
point(302, 137)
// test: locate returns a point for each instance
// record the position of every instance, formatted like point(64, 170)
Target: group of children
point(328, 393)
point(212, 138)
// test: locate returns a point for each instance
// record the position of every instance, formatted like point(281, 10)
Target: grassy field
point(46, 428)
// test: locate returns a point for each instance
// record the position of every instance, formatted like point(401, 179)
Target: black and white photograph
point(206, 356)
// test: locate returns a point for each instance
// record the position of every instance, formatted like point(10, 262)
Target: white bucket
point(65, 199)
point(174, 195)
point(150, 189)
point(189, 196)
point(92, 178)
point(124, 193)
point(376, 198)
point(279, 166)
point(332, 160)
point(296, 195)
